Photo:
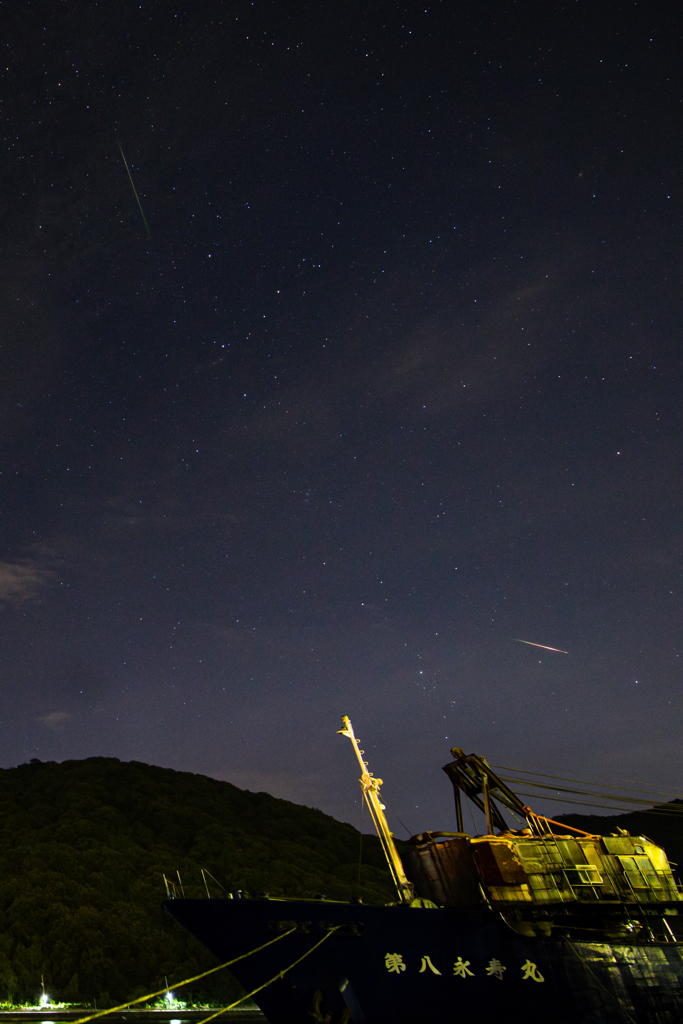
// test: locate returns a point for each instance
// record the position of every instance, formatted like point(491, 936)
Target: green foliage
point(84, 845)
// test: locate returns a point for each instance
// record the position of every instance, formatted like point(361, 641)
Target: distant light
point(44, 999)
point(170, 998)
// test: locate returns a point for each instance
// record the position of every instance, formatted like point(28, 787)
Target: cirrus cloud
point(21, 581)
point(55, 720)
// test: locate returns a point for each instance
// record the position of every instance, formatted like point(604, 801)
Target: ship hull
point(408, 965)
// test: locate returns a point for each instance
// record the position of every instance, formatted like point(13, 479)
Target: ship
point(544, 921)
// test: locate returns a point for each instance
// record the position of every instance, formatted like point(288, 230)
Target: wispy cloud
point(55, 720)
point(22, 581)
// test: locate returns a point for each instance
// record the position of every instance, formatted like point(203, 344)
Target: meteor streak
point(149, 233)
point(539, 645)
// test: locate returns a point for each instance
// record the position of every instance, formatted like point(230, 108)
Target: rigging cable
point(662, 810)
point(276, 977)
point(579, 792)
point(600, 791)
point(589, 776)
point(169, 988)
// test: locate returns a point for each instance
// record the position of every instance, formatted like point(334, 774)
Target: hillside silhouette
point(84, 846)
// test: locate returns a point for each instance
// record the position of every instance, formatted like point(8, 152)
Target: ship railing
point(586, 879)
point(673, 886)
point(224, 892)
point(582, 879)
point(173, 892)
point(646, 892)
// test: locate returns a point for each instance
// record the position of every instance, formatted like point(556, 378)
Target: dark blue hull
point(404, 965)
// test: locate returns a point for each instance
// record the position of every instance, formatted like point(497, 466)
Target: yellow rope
point(162, 991)
point(267, 983)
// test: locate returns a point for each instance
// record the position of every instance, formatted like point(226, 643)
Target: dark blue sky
point(394, 381)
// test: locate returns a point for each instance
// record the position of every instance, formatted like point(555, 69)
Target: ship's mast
point(370, 787)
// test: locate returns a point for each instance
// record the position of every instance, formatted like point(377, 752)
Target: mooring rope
point(279, 975)
point(179, 984)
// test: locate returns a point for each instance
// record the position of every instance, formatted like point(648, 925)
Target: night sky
point(382, 375)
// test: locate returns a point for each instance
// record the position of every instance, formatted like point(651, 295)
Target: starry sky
point(341, 350)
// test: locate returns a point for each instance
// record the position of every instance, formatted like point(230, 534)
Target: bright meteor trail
point(149, 233)
point(539, 645)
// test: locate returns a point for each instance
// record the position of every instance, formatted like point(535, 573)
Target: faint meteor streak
point(149, 233)
point(529, 642)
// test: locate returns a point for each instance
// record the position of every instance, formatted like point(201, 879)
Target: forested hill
point(84, 846)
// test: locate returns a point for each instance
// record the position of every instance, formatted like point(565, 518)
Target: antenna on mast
point(370, 787)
